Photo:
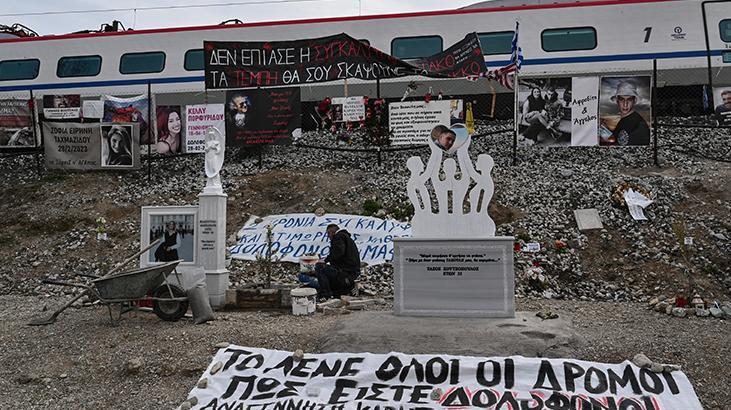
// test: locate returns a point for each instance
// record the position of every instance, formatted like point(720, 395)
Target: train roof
point(520, 3)
point(485, 6)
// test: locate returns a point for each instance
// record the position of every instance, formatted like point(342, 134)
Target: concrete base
point(384, 332)
point(217, 283)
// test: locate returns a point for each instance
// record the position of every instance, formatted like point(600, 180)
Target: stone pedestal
point(212, 243)
point(454, 277)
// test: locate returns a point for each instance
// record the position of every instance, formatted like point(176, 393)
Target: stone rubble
point(626, 261)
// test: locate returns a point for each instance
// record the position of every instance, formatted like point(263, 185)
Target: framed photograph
point(117, 146)
point(176, 226)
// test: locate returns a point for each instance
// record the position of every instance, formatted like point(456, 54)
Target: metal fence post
point(654, 113)
point(149, 130)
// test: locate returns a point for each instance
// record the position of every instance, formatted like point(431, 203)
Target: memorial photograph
point(543, 111)
point(117, 144)
point(625, 111)
point(176, 227)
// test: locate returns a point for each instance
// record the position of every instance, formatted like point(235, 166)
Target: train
point(690, 41)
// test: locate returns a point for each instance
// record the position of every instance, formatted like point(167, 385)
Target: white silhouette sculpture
point(215, 148)
point(453, 218)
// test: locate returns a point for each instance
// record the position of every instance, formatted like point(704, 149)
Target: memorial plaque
point(587, 219)
point(467, 278)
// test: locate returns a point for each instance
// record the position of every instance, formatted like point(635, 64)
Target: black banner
point(268, 64)
point(262, 116)
point(461, 60)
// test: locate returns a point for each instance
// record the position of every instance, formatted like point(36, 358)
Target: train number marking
point(647, 31)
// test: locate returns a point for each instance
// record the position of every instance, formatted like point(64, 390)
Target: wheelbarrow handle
point(56, 282)
point(131, 258)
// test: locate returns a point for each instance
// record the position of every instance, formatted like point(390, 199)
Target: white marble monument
point(212, 221)
point(453, 265)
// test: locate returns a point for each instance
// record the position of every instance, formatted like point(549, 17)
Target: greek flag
point(516, 53)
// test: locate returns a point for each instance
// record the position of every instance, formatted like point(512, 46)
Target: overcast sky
point(256, 10)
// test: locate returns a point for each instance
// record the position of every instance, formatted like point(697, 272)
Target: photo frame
point(177, 225)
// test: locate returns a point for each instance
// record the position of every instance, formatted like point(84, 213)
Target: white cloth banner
point(198, 118)
point(584, 111)
point(252, 378)
point(412, 121)
point(294, 235)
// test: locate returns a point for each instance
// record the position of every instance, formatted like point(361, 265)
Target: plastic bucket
point(304, 301)
point(307, 263)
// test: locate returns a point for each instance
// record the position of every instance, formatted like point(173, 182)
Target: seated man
point(335, 276)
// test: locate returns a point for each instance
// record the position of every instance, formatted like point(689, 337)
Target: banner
point(198, 118)
point(61, 107)
point(253, 378)
point(90, 146)
point(348, 109)
point(625, 111)
point(412, 121)
point(133, 109)
point(295, 235)
point(247, 64)
point(722, 99)
point(584, 111)
point(72, 145)
point(463, 59)
point(16, 124)
point(169, 124)
point(262, 116)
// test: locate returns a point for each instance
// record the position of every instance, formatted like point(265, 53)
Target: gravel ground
point(602, 280)
point(80, 361)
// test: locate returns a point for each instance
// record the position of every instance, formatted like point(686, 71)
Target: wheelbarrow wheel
point(172, 310)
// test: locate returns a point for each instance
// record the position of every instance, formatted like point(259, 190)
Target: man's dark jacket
point(343, 253)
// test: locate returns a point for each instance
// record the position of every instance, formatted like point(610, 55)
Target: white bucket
point(304, 301)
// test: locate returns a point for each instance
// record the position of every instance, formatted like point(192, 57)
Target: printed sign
point(72, 146)
point(295, 235)
point(722, 98)
point(624, 111)
point(134, 110)
point(274, 63)
point(584, 111)
point(248, 378)
point(413, 121)
point(262, 116)
point(198, 118)
point(93, 108)
point(16, 124)
point(90, 146)
point(348, 109)
point(61, 107)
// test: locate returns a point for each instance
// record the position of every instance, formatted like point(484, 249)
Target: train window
point(725, 28)
point(726, 56)
point(80, 66)
point(499, 42)
point(194, 60)
point(138, 63)
point(416, 47)
point(19, 69)
point(568, 39)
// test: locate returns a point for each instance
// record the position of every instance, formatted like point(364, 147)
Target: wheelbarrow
point(121, 289)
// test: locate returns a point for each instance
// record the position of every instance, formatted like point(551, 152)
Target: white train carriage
point(558, 39)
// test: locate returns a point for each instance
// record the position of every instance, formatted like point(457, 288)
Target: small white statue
point(451, 219)
point(215, 147)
